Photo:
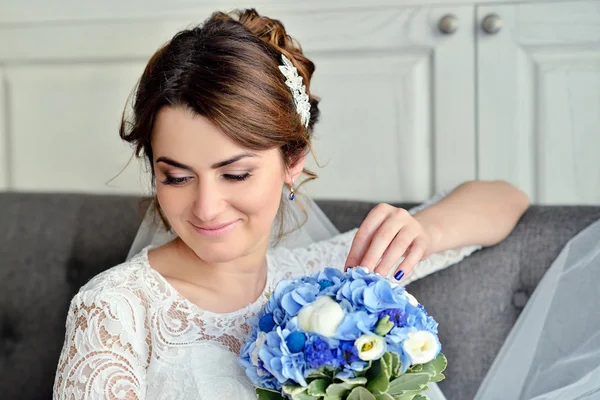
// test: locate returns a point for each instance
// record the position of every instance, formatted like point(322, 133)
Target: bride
point(223, 115)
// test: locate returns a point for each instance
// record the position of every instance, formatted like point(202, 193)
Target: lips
point(215, 230)
point(214, 227)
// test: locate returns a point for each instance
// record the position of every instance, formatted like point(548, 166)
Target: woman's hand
point(386, 234)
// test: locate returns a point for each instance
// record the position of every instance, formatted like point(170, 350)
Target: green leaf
point(383, 396)
point(410, 395)
point(440, 363)
point(428, 369)
point(415, 368)
point(268, 394)
point(396, 365)
point(408, 382)
point(329, 370)
point(318, 387)
point(359, 380)
point(304, 396)
point(388, 363)
point(437, 378)
point(317, 373)
point(294, 389)
point(420, 397)
point(360, 393)
point(384, 326)
point(379, 377)
point(436, 366)
point(340, 389)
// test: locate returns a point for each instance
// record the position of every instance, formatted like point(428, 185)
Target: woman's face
point(220, 199)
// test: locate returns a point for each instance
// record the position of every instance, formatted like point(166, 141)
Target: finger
point(381, 241)
point(365, 233)
point(417, 250)
point(396, 249)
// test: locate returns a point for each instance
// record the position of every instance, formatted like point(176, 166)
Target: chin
point(221, 249)
point(217, 252)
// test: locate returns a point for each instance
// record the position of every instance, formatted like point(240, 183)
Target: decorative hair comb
point(294, 82)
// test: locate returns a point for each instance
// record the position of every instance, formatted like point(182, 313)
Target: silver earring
point(292, 194)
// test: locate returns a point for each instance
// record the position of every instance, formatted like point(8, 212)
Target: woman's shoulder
point(123, 279)
point(113, 301)
point(297, 261)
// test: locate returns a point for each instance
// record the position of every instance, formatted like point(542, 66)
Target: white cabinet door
point(539, 99)
point(397, 100)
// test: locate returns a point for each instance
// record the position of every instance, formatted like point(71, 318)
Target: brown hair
point(227, 71)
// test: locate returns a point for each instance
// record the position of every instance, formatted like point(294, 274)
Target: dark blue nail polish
point(399, 275)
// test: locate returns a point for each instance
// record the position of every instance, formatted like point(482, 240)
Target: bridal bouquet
point(342, 335)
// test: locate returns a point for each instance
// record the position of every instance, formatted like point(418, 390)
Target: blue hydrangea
point(277, 351)
point(355, 324)
point(348, 353)
point(318, 354)
point(396, 315)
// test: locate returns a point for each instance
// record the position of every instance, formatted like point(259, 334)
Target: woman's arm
point(105, 353)
point(476, 212)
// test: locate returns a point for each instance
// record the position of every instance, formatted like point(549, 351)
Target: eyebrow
point(218, 165)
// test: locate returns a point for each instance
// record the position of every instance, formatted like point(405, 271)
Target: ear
point(295, 170)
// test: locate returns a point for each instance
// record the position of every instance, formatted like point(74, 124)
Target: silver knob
point(492, 24)
point(448, 24)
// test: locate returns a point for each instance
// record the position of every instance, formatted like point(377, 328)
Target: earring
point(292, 194)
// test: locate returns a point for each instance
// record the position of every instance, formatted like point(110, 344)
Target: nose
point(209, 203)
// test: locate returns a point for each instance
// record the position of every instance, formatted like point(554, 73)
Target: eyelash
point(171, 180)
point(178, 181)
point(237, 178)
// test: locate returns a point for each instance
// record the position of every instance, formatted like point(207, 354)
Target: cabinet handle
point(448, 24)
point(492, 24)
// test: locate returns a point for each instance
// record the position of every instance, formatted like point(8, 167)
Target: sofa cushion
point(49, 246)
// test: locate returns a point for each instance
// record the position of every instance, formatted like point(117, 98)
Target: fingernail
point(399, 275)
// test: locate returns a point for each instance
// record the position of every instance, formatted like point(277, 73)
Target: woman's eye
point(237, 178)
point(172, 180)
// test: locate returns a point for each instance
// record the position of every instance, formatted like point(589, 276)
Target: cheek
point(261, 201)
point(172, 202)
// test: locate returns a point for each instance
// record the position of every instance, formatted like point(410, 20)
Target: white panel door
point(397, 100)
point(539, 100)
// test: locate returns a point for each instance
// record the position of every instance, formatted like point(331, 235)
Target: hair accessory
point(294, 82)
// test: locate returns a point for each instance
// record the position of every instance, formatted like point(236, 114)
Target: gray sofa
point(51, 244)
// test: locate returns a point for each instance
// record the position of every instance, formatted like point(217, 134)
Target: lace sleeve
point(333, 252)
point(106, 348)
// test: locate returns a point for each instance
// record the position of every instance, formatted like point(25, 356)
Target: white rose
point(323, 316)
point(370, 347)
point(411, 299)
point(421, 346)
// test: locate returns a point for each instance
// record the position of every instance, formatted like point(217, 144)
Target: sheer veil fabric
point(553, 350)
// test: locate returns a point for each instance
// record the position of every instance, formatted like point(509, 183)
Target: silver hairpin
point(294, 82)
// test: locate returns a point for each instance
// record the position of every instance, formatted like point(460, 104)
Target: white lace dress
point(131, 335)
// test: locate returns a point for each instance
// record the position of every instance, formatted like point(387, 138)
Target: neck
point(243, 278)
